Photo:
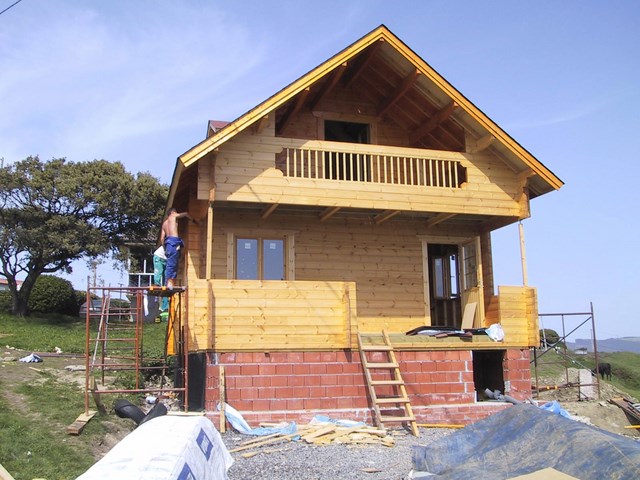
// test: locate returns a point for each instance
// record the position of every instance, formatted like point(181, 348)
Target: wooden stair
point(399, 401)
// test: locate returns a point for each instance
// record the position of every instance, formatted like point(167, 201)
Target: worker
point(172, 243)
point(159, 267)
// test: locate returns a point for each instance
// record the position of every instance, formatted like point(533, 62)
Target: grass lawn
point(37, 402)
point(625, 367)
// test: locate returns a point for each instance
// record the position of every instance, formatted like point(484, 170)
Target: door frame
point(475, 293)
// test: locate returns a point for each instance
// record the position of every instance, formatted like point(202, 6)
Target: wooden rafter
point(328, 213)
point(525, 174)
point(329, 85)
point(295, 108)
point(399, 92)
point(367, 57)
point(439, 117)
point(432, 222)
point(384, 216)
point(267, 211)
point(481, 144)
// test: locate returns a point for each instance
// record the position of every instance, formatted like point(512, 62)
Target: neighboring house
point(4, 284)
point(360, 197)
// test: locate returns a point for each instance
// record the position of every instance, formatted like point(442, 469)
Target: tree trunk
point(20, 298)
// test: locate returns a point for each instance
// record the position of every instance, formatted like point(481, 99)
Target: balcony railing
point(370, 164)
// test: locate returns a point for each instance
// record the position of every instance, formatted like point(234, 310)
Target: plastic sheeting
point(168, 448)
point(523, 439)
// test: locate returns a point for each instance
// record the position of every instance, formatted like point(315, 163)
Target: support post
point(523, 255)
point(209, 240)
point(223, 399)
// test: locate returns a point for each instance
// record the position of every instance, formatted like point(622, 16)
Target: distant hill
point(623, 344)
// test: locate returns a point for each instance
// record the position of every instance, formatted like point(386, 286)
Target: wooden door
point(470, 276)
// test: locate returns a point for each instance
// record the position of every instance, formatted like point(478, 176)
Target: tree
point(53, 213)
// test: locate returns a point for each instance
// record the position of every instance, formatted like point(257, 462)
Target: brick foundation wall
point(296, 386)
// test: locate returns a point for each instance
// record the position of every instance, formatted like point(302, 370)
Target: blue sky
point(137, 81)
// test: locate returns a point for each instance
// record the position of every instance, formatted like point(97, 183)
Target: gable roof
point(433, 101)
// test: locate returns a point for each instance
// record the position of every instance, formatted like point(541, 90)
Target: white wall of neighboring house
point(4, 284)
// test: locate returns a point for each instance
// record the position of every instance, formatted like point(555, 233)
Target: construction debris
point(323, 433)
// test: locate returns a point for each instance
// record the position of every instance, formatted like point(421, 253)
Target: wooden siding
point(518, 314)
point(245, 171)
point(385, 261)
point(279, 315)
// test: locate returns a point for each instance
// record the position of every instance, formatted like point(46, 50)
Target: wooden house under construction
point(358, 199)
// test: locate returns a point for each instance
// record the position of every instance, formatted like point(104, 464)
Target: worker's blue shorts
point(172, 246)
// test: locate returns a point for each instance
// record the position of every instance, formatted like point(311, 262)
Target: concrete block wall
point(296, 386)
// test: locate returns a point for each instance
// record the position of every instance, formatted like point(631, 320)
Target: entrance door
point(444, 287)
point(471, 280)
point(453, 282)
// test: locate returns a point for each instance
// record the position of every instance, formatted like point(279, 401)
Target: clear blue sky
point(137, 81)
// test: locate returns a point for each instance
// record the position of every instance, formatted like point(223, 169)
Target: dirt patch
point(600, 412)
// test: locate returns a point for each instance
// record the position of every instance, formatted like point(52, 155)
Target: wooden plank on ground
point(76, 427)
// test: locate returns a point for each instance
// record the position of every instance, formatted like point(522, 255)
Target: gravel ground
point(299, 460)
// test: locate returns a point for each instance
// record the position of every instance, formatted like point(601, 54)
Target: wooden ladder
point(398, 399)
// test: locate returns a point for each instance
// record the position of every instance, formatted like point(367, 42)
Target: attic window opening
point(346, 166)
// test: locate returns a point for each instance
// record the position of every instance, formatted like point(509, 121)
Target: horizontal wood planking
point(382, 261)
point(301, 321)
point(517, 314)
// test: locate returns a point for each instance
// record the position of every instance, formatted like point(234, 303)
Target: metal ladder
point(385, 383)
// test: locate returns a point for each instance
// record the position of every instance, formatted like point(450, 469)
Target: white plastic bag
point(495, 332)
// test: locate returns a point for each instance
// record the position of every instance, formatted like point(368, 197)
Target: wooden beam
point(329, 85)
point(259, 126)
point(523, 255)
point(267, 211)
point(481, 144)
point(384, 216)
point(431, 124)
point(498, 222)
point(209, 260)
point(525, 174)
point(432, 222)
point(399, 92)
point(328, 213)
point(366, 58)
point(76, 427)
point(293, 109)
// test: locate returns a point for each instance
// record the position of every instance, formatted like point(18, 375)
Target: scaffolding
point(568, 321)
point(115, 330)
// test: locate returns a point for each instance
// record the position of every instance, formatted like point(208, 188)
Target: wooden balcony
point(371, 164)
point(334, 174)
point(271, 316)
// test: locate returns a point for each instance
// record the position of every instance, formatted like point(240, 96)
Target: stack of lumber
point(318, 434)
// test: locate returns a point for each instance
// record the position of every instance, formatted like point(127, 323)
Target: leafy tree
point(53, 213)
point(552, 338)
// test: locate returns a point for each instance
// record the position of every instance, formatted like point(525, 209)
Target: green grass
point(625, 367)
point(625, 370)
point(38, 447)
point(39, 334)
point(43, 334)
point(33, 438)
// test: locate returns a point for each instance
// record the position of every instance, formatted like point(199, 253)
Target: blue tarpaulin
point(523, 439)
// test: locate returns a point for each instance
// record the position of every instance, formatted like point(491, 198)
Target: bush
point(53, 295)
point(5, 301)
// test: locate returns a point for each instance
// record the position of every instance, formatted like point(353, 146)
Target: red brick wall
point(517, 374)
point(296, 386)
